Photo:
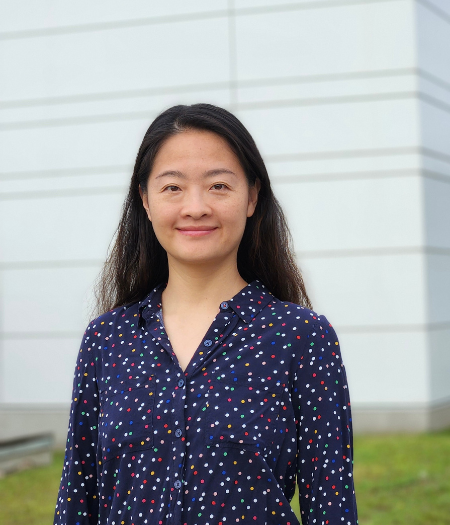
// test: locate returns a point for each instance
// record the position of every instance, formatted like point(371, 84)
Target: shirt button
point(178, 432)
point(207, 342)
point(177, 484)
point(224, 305)
point(180, 382)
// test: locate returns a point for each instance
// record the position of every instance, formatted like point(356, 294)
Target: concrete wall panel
point(117, 105)
point(349, 165)
point(437, 209)
point(21, 15)
point(439, 357)
point(438, 274)
point(59, 228)
point(179, 53)
point(322, 41)
point(46, 300)
point(68, 147)
point(334, 127)
point(353, 215)
point(440, 8)
point(433, 37)
point(315, 89)
point(435, 126)
point(368, 291)
point(386, 366)
point(31, 365)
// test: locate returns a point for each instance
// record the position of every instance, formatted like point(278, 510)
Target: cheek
point(236, 217)
point(241, 209)
point(158, 212)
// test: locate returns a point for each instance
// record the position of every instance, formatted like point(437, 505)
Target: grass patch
point(403, 479)
point(400, 479)
point(29, 497)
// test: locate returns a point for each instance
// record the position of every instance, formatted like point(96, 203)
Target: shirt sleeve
point(324, 431)
point(77, 502)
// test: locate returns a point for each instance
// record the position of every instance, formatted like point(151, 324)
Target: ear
point(144, 197)
point(253, 192)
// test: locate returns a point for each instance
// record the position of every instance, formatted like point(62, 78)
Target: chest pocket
point(126, 416)
point(243, 414)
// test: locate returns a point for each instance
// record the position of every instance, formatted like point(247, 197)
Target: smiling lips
point(196, 231)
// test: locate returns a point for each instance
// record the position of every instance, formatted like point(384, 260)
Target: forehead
point(195, 147)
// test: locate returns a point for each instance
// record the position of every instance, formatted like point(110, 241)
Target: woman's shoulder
point(297, 313)
point(106, 331)
point(299, 320)
point(121, 315)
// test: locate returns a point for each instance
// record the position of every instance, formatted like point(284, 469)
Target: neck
point(200, 287)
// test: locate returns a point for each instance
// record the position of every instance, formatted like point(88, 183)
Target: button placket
point(223, 325)
point(179, 443)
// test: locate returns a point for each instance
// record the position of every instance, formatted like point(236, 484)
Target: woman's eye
point(171, 188)
point(219, 187)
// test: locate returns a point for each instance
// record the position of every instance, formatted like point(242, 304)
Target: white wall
point(433, 24)
point(349, 104)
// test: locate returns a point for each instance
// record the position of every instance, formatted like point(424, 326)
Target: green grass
point(400, 480)
point(29, 497)
point(403, 480)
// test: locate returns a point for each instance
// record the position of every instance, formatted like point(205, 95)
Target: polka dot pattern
point(262, 405)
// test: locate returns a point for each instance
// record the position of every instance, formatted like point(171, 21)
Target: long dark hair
point(137, 262)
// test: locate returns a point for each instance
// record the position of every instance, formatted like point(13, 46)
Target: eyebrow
point(209, 173)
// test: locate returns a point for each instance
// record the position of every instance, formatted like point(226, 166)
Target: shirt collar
point(151, 305)
point(247, 303)
point(250, 301)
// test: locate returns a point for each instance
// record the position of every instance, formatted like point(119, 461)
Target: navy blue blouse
point(263, 404)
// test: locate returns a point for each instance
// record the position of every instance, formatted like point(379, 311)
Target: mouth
point(196, 231)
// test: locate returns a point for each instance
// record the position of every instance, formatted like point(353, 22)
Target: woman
point(208, 387)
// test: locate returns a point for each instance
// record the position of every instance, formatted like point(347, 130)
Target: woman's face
point(198, 199)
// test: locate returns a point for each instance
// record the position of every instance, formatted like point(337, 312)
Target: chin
point(200, 258)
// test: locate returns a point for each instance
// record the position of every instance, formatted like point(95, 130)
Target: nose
point(195, 204)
